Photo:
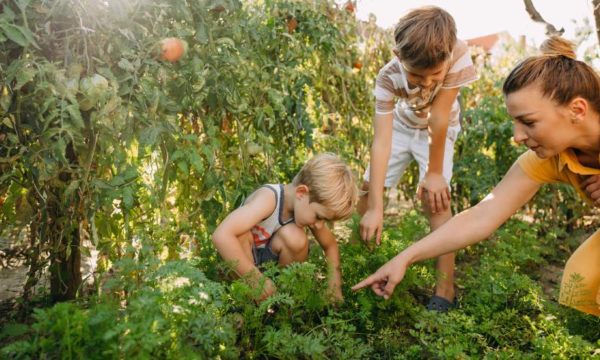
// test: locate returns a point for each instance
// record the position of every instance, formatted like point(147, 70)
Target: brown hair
point(330, 183)
point(425, 37)
point(557, 72)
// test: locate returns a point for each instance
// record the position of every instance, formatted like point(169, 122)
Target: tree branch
point(596, 4)
point(535, 16)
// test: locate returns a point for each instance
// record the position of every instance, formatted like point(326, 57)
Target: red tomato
point(292, 24)
point(172, 49)
point(350, 7)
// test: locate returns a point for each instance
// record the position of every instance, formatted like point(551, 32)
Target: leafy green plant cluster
point(101, 140)
point(103, 143)
point(149, 310)
point(171, 311)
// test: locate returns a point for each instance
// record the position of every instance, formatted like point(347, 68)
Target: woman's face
point(539, 123)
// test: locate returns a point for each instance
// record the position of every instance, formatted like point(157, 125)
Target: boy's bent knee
point(292, 238)
point(362, 204)
point(424, 198)
point(428, 211)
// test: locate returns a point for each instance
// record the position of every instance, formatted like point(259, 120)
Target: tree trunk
point(596, 4)
point(65, 268)
point(33, 258)
point(65, 265)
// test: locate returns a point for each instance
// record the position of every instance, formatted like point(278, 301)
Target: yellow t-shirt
point(561, 168)
point(580, 285)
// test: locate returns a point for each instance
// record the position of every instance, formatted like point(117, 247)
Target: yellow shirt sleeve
point(540, 170)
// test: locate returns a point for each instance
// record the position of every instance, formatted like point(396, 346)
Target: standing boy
point(417, 117)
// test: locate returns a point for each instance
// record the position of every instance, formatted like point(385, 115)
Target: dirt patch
point(13, 273)
point(12, 281)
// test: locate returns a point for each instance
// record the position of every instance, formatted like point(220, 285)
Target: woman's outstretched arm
point(469, 227)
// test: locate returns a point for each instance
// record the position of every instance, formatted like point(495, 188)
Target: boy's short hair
point(330, 183)
point(425, 37)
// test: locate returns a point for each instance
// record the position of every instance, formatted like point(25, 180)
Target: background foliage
point(103, 147)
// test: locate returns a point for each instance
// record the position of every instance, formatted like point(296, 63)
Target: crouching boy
point(271, 224)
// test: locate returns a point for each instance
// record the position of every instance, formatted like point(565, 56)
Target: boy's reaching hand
point(372, 224)
point(268, 289)
point(385, 279)
point(591, 186)
point(335, 287)
point(336, 294)
point(436, 191)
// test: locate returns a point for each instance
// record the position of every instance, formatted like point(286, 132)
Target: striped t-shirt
point(414, 103)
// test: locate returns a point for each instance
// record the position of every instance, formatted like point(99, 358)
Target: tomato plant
point(105, 147)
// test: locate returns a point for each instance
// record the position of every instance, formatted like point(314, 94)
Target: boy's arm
point(438, 193)
point(237, 223)
point(467, 228)
point(328, 243)
point(372, 221)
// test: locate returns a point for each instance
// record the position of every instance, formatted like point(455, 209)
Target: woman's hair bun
point(558, 46)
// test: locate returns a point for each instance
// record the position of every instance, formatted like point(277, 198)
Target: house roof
point(486, 42)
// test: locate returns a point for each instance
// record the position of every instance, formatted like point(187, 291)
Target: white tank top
point(263, 231)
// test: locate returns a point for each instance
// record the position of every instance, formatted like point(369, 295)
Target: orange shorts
point(580, 285)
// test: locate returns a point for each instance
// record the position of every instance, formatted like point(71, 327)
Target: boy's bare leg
point(445, 264)
point(291, 243)
point(363, 200)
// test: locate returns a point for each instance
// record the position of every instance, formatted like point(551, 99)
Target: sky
point(476, 18)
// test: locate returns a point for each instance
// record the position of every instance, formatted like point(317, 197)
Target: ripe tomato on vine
point(172, 49)
point(292, 24)
point(350, 7)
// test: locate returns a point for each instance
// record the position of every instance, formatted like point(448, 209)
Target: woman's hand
point(385, 279)
point(591, 186)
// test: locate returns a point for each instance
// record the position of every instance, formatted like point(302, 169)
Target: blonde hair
point(330, 183)
point(558, 73)
point(425, 37)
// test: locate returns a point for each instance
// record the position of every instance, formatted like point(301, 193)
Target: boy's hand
point(268, 289)
point(335, 287)
point(372, 224)
point(591, 186)
point(436, 191)
point(385, 279)
point(336, 294)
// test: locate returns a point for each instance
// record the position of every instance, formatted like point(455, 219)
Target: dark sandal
point(439, 304)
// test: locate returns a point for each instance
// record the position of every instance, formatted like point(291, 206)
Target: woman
point(555, 103)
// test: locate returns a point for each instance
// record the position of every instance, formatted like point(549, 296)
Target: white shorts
point(408, 144)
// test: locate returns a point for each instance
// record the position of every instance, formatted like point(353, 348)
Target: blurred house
point(496, 44)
